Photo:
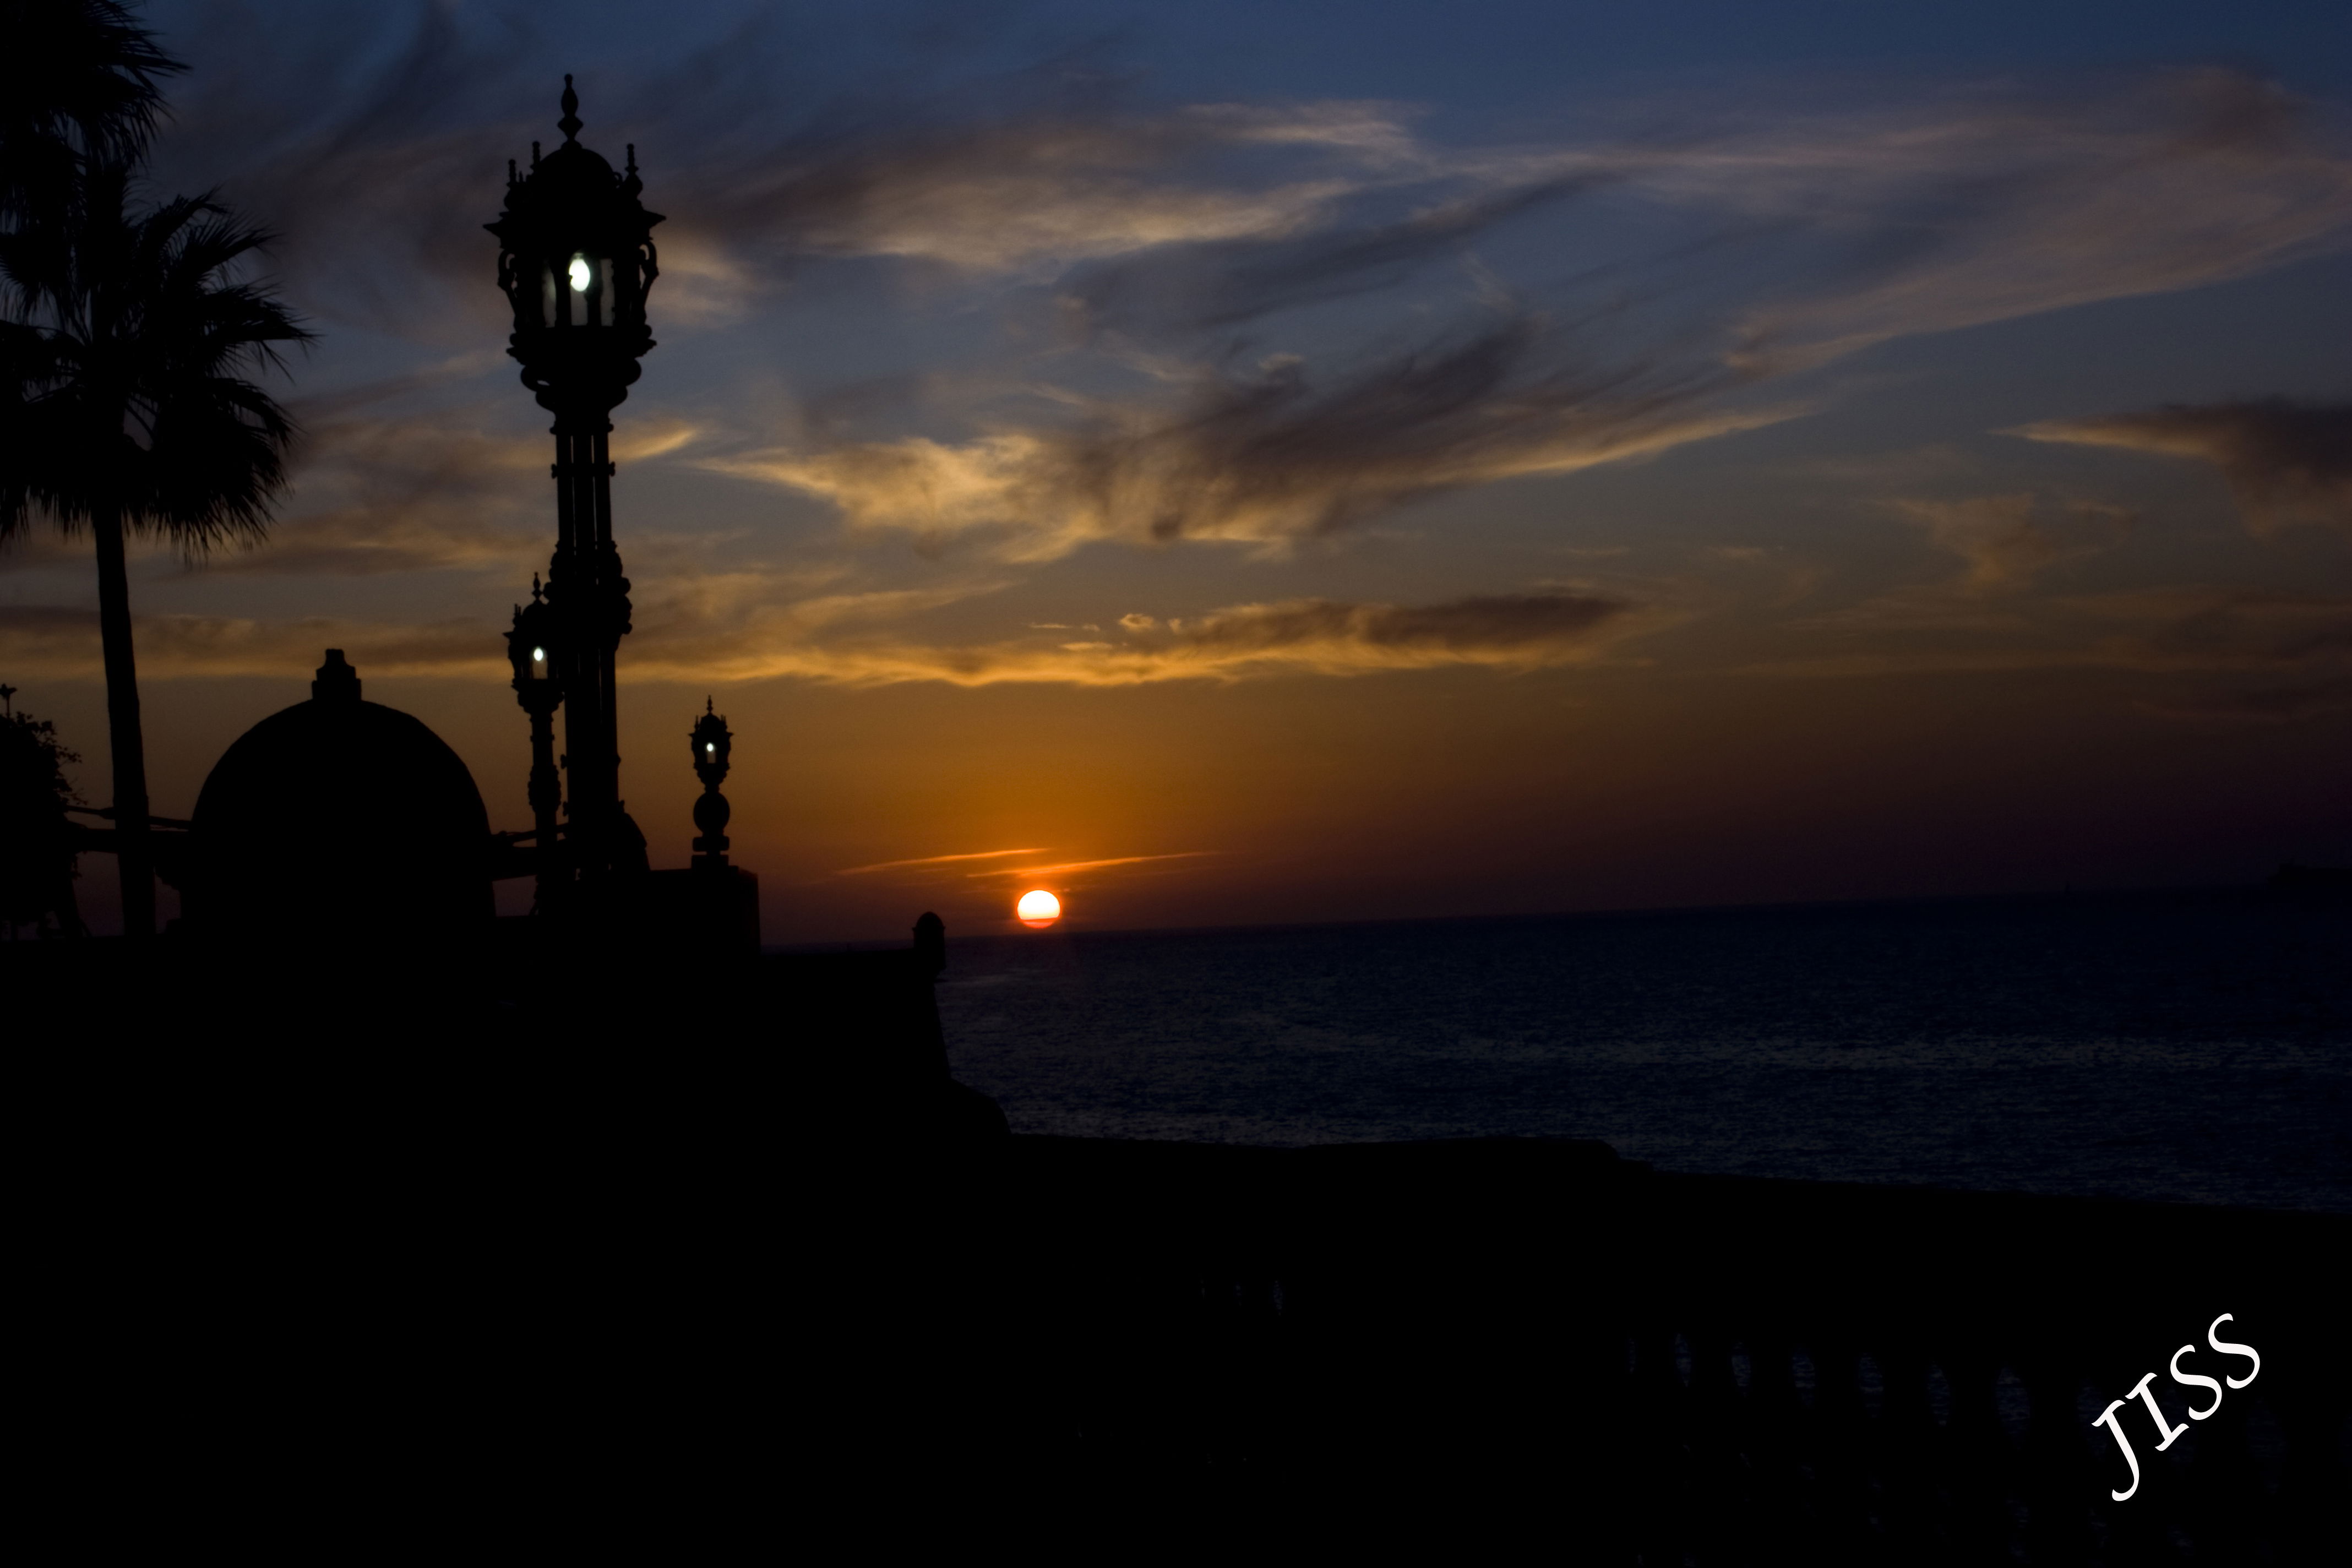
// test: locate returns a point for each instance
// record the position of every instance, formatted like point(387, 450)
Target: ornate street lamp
point(576, 260)
point(711, 740)
point(539, 688)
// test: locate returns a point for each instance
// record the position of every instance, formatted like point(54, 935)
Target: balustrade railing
point(1455, 1342)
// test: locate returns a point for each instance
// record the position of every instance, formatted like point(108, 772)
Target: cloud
point(743, 636)
point(1071, 868)
point(374, 140)
point(382, 494)
point(2205, 629)
point(63, 643)
point(374, 143)
point(1984, 209)
point(1955, 209)
point(1045, 190)
point(1210, 284)
point(2287, 462)
point(1919, 608)
point(1507, 633)
point(2008, 540)
point(934, 860)
point(2165, 631)
point(754, 639)
point(1264, 459)
point(432, 492)
point(2258, 705)
point(2005, 542)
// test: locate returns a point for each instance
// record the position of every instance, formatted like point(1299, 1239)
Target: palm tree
point(124, 409)
point(77, 79)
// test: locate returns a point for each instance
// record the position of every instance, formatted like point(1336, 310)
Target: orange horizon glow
point(1038, 909)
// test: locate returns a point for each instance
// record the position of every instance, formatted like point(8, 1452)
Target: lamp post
point(576, 260)
point(711, 740)
point(539, 688)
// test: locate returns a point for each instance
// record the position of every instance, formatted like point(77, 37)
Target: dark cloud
point(422, 492)
point(375, 139)
point(2287, 462)
point(2253, 628)
point(1219, 284)
point(374, 495)
point(371, 142)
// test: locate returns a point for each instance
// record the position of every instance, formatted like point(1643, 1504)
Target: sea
point(2189, 1046)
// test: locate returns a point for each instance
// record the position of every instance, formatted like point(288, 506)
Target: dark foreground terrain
point(321, 1262)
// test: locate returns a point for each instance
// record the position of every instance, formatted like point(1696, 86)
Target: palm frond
point(129, 371)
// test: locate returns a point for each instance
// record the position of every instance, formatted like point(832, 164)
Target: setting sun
point(1038, 908)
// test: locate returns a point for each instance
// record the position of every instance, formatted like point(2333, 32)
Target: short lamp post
point(533, 650)
point(711, 740)
point(576, 261)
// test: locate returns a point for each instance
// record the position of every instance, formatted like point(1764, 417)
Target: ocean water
point(2189, 1046)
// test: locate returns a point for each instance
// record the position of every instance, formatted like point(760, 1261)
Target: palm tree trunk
point(133, 856)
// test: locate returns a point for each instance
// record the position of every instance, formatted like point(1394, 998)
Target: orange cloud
point(748, 638)
point(934, 860)
point(1068, 868)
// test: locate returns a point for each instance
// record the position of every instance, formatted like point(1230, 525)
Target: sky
point(1245, 463)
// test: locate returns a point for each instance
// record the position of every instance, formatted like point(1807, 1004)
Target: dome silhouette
point(338, 816)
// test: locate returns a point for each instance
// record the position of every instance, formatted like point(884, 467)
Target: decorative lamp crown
point(576, 260)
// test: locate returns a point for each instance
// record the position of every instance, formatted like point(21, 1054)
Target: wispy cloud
point(413, 494)
point(1071, 868)
point(1504, 632)
point(2258, 704)
point(375, 495)
point(2287, 462)
point(1321, 637)
point(2159, 631)
point(64, 643)
point(933, 860)
point(2008, 540)
point(1962, 206)
point(1982, 208)
point(1265, 459)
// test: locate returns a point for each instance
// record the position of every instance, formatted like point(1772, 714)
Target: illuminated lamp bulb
point(581, 273)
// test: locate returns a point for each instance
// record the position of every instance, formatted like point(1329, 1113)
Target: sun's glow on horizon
point(1038, 909)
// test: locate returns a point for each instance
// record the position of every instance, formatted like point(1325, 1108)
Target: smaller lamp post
point(711, 740)
point(539, 688)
